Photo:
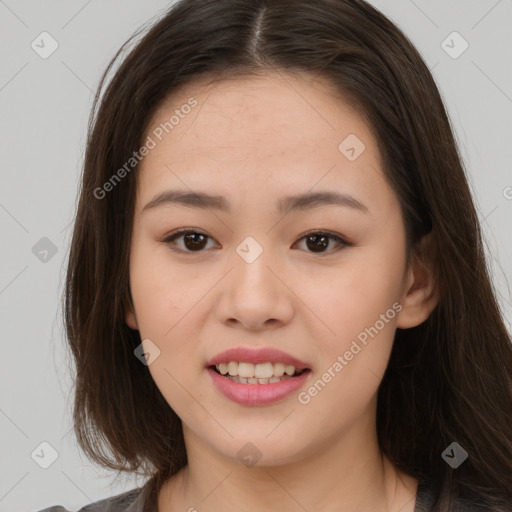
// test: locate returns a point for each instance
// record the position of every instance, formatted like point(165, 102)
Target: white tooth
point(233, 368)
point(263, 381)
point(254, 380)
point(289, 369)
point(263, 370)
point(246, 370)
point(236, 378)
point(278, 369)
point(273, 379)
point(257, 371)
point(242, 380)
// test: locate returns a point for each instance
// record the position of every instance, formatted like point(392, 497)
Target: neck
point(340, 479)
point(350, 475)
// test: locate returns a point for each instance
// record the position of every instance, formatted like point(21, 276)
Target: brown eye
point(318, 241)
point(193, 241)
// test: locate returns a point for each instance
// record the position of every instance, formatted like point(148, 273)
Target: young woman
point(277, 296)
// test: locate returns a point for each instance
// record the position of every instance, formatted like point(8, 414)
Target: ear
point(421, 291)
point(130, 318)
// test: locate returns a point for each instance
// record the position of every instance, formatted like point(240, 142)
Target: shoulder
point(129, 501)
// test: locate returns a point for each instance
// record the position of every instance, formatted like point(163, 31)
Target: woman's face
point(250, 277)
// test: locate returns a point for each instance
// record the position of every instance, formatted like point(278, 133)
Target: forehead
point(278, 128)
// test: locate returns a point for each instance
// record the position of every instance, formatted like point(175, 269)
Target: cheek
point(164, 297)
point(358, 302)
point(354, 356)
point(162, 292)
point(374, 278)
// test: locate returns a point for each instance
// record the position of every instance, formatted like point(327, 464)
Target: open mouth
point(255, 380)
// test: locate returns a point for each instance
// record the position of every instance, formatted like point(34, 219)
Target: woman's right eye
point(194, 241)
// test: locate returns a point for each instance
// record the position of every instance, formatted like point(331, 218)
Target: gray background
point(44, 109)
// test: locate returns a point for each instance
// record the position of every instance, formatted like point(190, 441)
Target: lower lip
point(257, 394)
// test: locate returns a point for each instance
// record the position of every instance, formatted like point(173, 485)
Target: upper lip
point(255, 356)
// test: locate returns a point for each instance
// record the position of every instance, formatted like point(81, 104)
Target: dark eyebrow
point(297, 202)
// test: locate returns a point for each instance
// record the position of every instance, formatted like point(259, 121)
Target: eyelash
point(181, 232)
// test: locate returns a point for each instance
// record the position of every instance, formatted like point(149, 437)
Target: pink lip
point(255, 356)
point(257, 394)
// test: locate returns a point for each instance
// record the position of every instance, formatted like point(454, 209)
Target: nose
point(254, 295)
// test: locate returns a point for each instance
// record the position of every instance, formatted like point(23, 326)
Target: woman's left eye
point(320, 240)
point(195, 241)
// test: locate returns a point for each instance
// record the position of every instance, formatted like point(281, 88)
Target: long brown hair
point(448, 380)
